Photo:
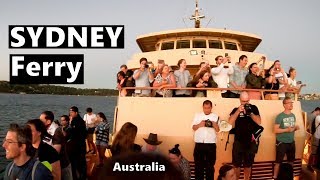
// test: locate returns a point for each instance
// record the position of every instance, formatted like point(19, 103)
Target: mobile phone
point(160, 61)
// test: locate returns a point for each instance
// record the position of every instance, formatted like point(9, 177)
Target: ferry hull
point(171, 119)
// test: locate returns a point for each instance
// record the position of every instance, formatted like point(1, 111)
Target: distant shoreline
point(6, 87)
point(57, 94)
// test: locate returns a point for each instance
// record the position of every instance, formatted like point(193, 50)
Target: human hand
point(225, 60)
point(202, 123)
point(290, 129)
point(297, 127)
point(241, 108)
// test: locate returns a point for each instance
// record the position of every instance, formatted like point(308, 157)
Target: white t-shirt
point(89, 119)
point(221, 75)
point(51, 130)
point(205, 134)
point(317, 133)
point(282, 77)
point(292, 83)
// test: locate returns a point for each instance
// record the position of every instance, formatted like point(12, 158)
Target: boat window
point(183, 44)
point(199, 43)
point(230, 45)
point(167, 45)
point(215, 44)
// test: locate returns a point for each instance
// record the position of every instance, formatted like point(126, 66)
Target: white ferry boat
point(171, 118)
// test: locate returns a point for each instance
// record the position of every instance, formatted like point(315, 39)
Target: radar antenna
point(196, 17)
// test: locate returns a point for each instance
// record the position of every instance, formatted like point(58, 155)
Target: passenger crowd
point(45, 148)
point(223, 75)
point(246, 122)
point(48, 149)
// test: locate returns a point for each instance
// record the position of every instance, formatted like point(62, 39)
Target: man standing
point(314, 115)
point(284, 127)
point(238, 78)
point(246, 120)
point(90, 119)
point(18, 146)
point(78, 141)
point(58, 142)
point(143, 77)
point(205, 126)
point(221, 75)
point(44, 152)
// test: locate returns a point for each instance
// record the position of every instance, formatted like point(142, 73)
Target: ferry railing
point(217, 91)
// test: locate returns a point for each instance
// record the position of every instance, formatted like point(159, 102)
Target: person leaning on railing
point(164, 80)
point(272, 83)
point(143, 77)
point(254, 80)
point(202, 81)
point(221, 74)
point(237, 79)
point(183, 77)
point(278, 74)
point(292, 83)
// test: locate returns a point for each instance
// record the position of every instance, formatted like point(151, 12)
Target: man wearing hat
point(151, 144)
point(78, 141)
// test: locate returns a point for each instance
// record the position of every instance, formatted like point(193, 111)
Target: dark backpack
point(256, 134)
point(10, 166)
point(313, 126)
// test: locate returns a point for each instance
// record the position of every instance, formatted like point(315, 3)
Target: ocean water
point(18, 108)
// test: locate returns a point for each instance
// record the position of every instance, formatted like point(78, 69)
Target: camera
point(146, 66)
point(208, 123)
point(248, 109)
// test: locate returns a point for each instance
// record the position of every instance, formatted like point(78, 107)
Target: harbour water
point(18, 108)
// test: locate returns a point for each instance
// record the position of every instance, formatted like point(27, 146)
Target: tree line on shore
point(6, 87)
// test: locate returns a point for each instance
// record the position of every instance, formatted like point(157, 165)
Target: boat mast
point(196, 17)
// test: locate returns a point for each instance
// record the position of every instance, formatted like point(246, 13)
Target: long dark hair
point(268, 71)
point(124, 140)
point(102, 116)
point(251, 65)
point(224, 170)
point(121, 73)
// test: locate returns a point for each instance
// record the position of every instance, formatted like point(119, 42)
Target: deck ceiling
point(248, 41)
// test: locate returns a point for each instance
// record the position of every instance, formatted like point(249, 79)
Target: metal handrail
point(221, 89)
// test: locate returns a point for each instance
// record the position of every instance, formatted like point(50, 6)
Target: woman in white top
point(164, 80)
point(292, 83)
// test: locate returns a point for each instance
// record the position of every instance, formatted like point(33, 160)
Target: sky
point(290, 30)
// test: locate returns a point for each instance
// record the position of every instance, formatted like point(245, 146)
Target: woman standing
point(164, 80)
point(202, 81)
point(292, 83)
point(254, 81)
point(124, 140)
point(183, 77)
point(102, 136)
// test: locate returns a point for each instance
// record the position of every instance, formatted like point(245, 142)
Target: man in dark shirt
point(58, 141)
point(78, 141)
point(44, 152)
point(246, 120)
point(18, 146)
